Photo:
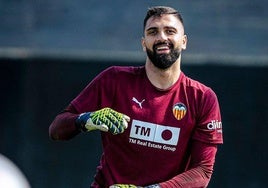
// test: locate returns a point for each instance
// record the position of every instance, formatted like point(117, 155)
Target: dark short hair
point(158, 11)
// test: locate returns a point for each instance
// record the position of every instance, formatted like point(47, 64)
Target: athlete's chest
point(158, 121)
point(164, 108)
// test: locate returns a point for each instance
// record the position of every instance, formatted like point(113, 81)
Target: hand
point(124, 186)
point(105, 119)
point(133, 186)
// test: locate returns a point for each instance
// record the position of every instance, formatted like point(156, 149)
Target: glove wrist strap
point(153, 186)
point(81, 121)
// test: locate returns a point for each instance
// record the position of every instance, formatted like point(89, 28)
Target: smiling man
point(156, 123)
point(164, 39)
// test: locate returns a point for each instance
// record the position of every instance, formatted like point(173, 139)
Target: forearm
point(63, 127)
point(195, 178)
point(200, 169)
point(69, 123)
point(198, 174)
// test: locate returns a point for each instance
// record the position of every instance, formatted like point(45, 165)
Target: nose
point(162, 36)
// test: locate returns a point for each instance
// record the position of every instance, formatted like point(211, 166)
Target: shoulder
point(123, 71)
point(194, 84)
point(197, 87)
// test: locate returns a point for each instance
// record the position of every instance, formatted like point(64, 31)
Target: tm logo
point(154, 132)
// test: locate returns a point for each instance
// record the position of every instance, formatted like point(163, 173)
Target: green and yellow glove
point(133, 186)
point(105, 119)
point(124, 186)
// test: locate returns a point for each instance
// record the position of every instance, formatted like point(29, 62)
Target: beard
point(163, 61)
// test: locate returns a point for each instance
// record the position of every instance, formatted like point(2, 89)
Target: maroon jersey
point(155, 146)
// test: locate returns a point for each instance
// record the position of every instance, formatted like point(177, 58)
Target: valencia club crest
point(179, 111)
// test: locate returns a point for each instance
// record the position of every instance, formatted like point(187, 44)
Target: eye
point(152, 32)
point(171, 31)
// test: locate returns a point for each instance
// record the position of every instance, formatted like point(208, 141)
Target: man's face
point(164, 40)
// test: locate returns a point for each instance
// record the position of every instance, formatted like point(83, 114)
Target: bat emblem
point(179, 111)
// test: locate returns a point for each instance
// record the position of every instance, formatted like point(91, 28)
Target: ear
point(143, 44)
point(184, 42)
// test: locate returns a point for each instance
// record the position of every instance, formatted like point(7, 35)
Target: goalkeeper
point(163, 126)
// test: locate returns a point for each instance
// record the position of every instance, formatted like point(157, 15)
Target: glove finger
point(106, 125)
point(99, 126)
point(127, 118)
point(102, 117)
point(119, 119)
point(125, 123)
point(103, 127)
point(117, 126)
point(114, 130)
point(116, 118)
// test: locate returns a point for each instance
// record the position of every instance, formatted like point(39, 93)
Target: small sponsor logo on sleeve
point(215, 125)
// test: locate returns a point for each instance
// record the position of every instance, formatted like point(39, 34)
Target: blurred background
point(50, 50)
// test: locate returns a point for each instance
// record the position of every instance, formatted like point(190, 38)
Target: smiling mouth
point(162, 48)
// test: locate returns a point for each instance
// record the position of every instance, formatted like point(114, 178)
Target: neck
point(163, 79)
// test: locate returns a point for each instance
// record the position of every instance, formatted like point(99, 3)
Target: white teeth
point(162, 48)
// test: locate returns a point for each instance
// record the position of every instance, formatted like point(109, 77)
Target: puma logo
point(139, 103)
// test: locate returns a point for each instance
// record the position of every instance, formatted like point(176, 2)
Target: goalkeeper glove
point(133, 186)
point(124, 186)
point(105, 119)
